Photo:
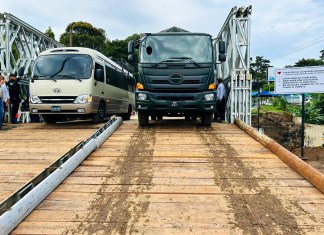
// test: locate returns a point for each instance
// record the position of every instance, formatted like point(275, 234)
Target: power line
point(117, 16)
point(299, 48)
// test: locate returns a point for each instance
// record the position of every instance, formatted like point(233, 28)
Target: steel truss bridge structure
point(20, 44)
point(236, 69)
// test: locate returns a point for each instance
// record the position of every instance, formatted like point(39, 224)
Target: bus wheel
point(206, 119)
point(127, 116)
point(143, 119)
point(49, 120)
point(99, 117)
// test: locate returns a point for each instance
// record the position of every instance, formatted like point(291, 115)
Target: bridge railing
point(20, 44)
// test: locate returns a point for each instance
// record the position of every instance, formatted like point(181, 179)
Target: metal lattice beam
point(235, 70)
point(20, 44)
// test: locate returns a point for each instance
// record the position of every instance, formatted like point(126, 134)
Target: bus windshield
point(63, 66)
point(159, 48)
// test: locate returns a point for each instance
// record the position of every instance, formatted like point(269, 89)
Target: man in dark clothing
point(14, 93)
point(220, 101)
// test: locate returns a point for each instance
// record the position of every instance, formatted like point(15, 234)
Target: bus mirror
point(221, 47)
point(131, 47)
point(21, 71)
point(98, 74)
point(222, 57)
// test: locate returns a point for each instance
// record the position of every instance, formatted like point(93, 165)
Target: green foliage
point(280, 103)
point(313, 114)
point(268, 86)
point(271, 108)
point(83, 34)
point(308, 62)
point(49, 32)
point(258, 69)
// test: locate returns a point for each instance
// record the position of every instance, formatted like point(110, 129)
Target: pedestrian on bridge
point(4, 99)
point(220, 101)
point(14, 93)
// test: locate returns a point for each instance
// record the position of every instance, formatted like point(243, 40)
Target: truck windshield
point(65, 66)
point(197, 48)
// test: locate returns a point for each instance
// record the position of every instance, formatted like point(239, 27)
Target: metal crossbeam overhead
point(235, 70)
point(20, 44)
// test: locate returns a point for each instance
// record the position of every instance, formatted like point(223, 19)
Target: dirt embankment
point(281, 128)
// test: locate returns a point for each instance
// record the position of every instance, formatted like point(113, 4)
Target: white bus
point(75, 82)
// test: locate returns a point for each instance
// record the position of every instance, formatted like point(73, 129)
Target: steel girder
point(235, 70)
point(20, 44)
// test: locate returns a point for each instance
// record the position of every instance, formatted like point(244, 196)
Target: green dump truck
point(176, 75)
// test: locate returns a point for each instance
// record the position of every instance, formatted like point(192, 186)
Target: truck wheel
point(143, 119)
point(206, 119)
point(99, 117)
point(159, 117)
point(153, 117)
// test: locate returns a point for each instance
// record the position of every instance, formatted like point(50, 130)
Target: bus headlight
point(82, 99)
point(141, 96)
point(209, 97)
point(34, 99)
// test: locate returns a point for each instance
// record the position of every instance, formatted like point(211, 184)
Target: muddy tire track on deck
point(257, 212)
point(118, 212)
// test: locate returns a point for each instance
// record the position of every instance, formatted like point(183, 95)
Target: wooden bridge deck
point(174, 177)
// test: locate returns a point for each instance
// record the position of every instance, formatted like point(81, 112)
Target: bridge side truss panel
point(235, 70)
point(20, 44)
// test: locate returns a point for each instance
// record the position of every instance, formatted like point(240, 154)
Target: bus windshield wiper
point(70, 76)
point(186, 58)
point(43, 76)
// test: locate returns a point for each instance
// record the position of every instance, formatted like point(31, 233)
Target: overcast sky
point(283, 31)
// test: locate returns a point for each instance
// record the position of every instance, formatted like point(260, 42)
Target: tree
point(322, 55)
point(49, 32)
point(117, 49)
point(258, 69)
point(308, 62)
point(83, 34)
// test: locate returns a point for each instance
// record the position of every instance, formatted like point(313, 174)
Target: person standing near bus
point(4, 99)
point(14, 93)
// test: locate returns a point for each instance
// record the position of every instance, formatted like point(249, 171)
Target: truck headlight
point(141, 96)
point(209, 97)
point(34, 99)
point(82, 99)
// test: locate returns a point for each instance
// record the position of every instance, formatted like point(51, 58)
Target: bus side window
point(108, 75)
point(102, 78)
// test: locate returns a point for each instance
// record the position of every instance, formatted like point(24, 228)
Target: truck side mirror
point(222, 51)
point(131, 58)
point(21, 71)
point(131, 47)
point(221, 47)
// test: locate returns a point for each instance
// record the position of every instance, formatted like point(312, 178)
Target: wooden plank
point(180, 178)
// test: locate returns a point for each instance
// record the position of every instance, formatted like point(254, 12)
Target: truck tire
point(206, 119)
point(143, 119)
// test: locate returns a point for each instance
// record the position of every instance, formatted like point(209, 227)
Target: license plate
point(56, 108)
point(174, 104)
